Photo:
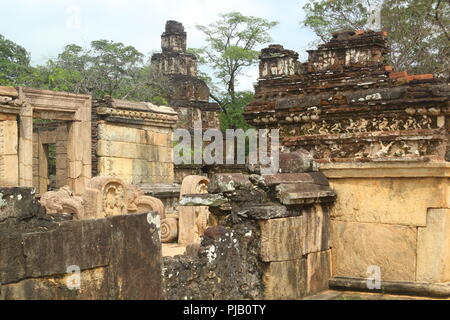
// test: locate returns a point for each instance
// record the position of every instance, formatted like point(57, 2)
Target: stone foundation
point(271, 240)
point(391, 215)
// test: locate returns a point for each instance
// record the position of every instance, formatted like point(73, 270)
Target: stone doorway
point(49, 155)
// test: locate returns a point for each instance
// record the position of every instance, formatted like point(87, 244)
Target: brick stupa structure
point(347, 104)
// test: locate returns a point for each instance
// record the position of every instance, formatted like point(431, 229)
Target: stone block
point(286, 280)
point(8, 137)
point(291, 238)
point(17, 202)
point(282, 239)
point(304, 193)
point(9, 170)
point(8, 91)
point(136, 256)
point(82, 243)
point(119, 258)
point(357, 246)
point(402, 201)
point(117, 149)
point(161, 139)
point(108, 166)
point(318, 271)
point(111, 132)
point(12, 262)
point(433, 247)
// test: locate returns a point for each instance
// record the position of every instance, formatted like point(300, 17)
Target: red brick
point(395, 75)
point(423, 76)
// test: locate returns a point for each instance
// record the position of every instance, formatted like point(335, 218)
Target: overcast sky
point(44, 27)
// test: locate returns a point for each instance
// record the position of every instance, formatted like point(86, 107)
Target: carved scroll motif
point(63, 201)
point(138, 202)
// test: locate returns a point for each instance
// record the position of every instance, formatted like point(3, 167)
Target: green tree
point(107, 68)
point(232, 44)
point(15, 66)
point(234, 116)
point(419, 30)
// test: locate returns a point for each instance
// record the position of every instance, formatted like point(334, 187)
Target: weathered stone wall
point(9, 161)
point(271, 241)
point(134, 141)
point(225, 266)
point(381, 137)
point(118, 257)
point(391, 215)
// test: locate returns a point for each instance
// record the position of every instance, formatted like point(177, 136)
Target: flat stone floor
point(350, 295)
point(172, 249)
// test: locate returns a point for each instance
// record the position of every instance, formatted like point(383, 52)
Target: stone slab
point(111, 132)
point(357, 246)
point(433, 247)
point(9, 169)
point(8, 137)
point(318, 271)
point(388, 200)
point(119, 258)
point(291, 238)
point(286, 280)
point(8, 91)
point(17, 202)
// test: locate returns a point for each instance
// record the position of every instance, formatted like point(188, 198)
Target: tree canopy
point(232, 43)
point(107, 68)
point(14, 63)
point(419, 30)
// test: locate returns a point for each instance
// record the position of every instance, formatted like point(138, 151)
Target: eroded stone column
point(26, 146)
point(9, 170)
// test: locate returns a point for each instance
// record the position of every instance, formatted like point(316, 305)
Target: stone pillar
point(79, 150)
point(26, 146)
point(9, 170)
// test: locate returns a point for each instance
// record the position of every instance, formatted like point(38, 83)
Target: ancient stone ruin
point(346, 104)
point(381, 137)
point(189, 95)
point(93, 207)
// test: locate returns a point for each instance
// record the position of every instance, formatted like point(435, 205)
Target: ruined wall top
point(142, 113)
point(348, 50)
point(180, 68)
point(346, 103)
point(345, 51)
point(173, 40)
